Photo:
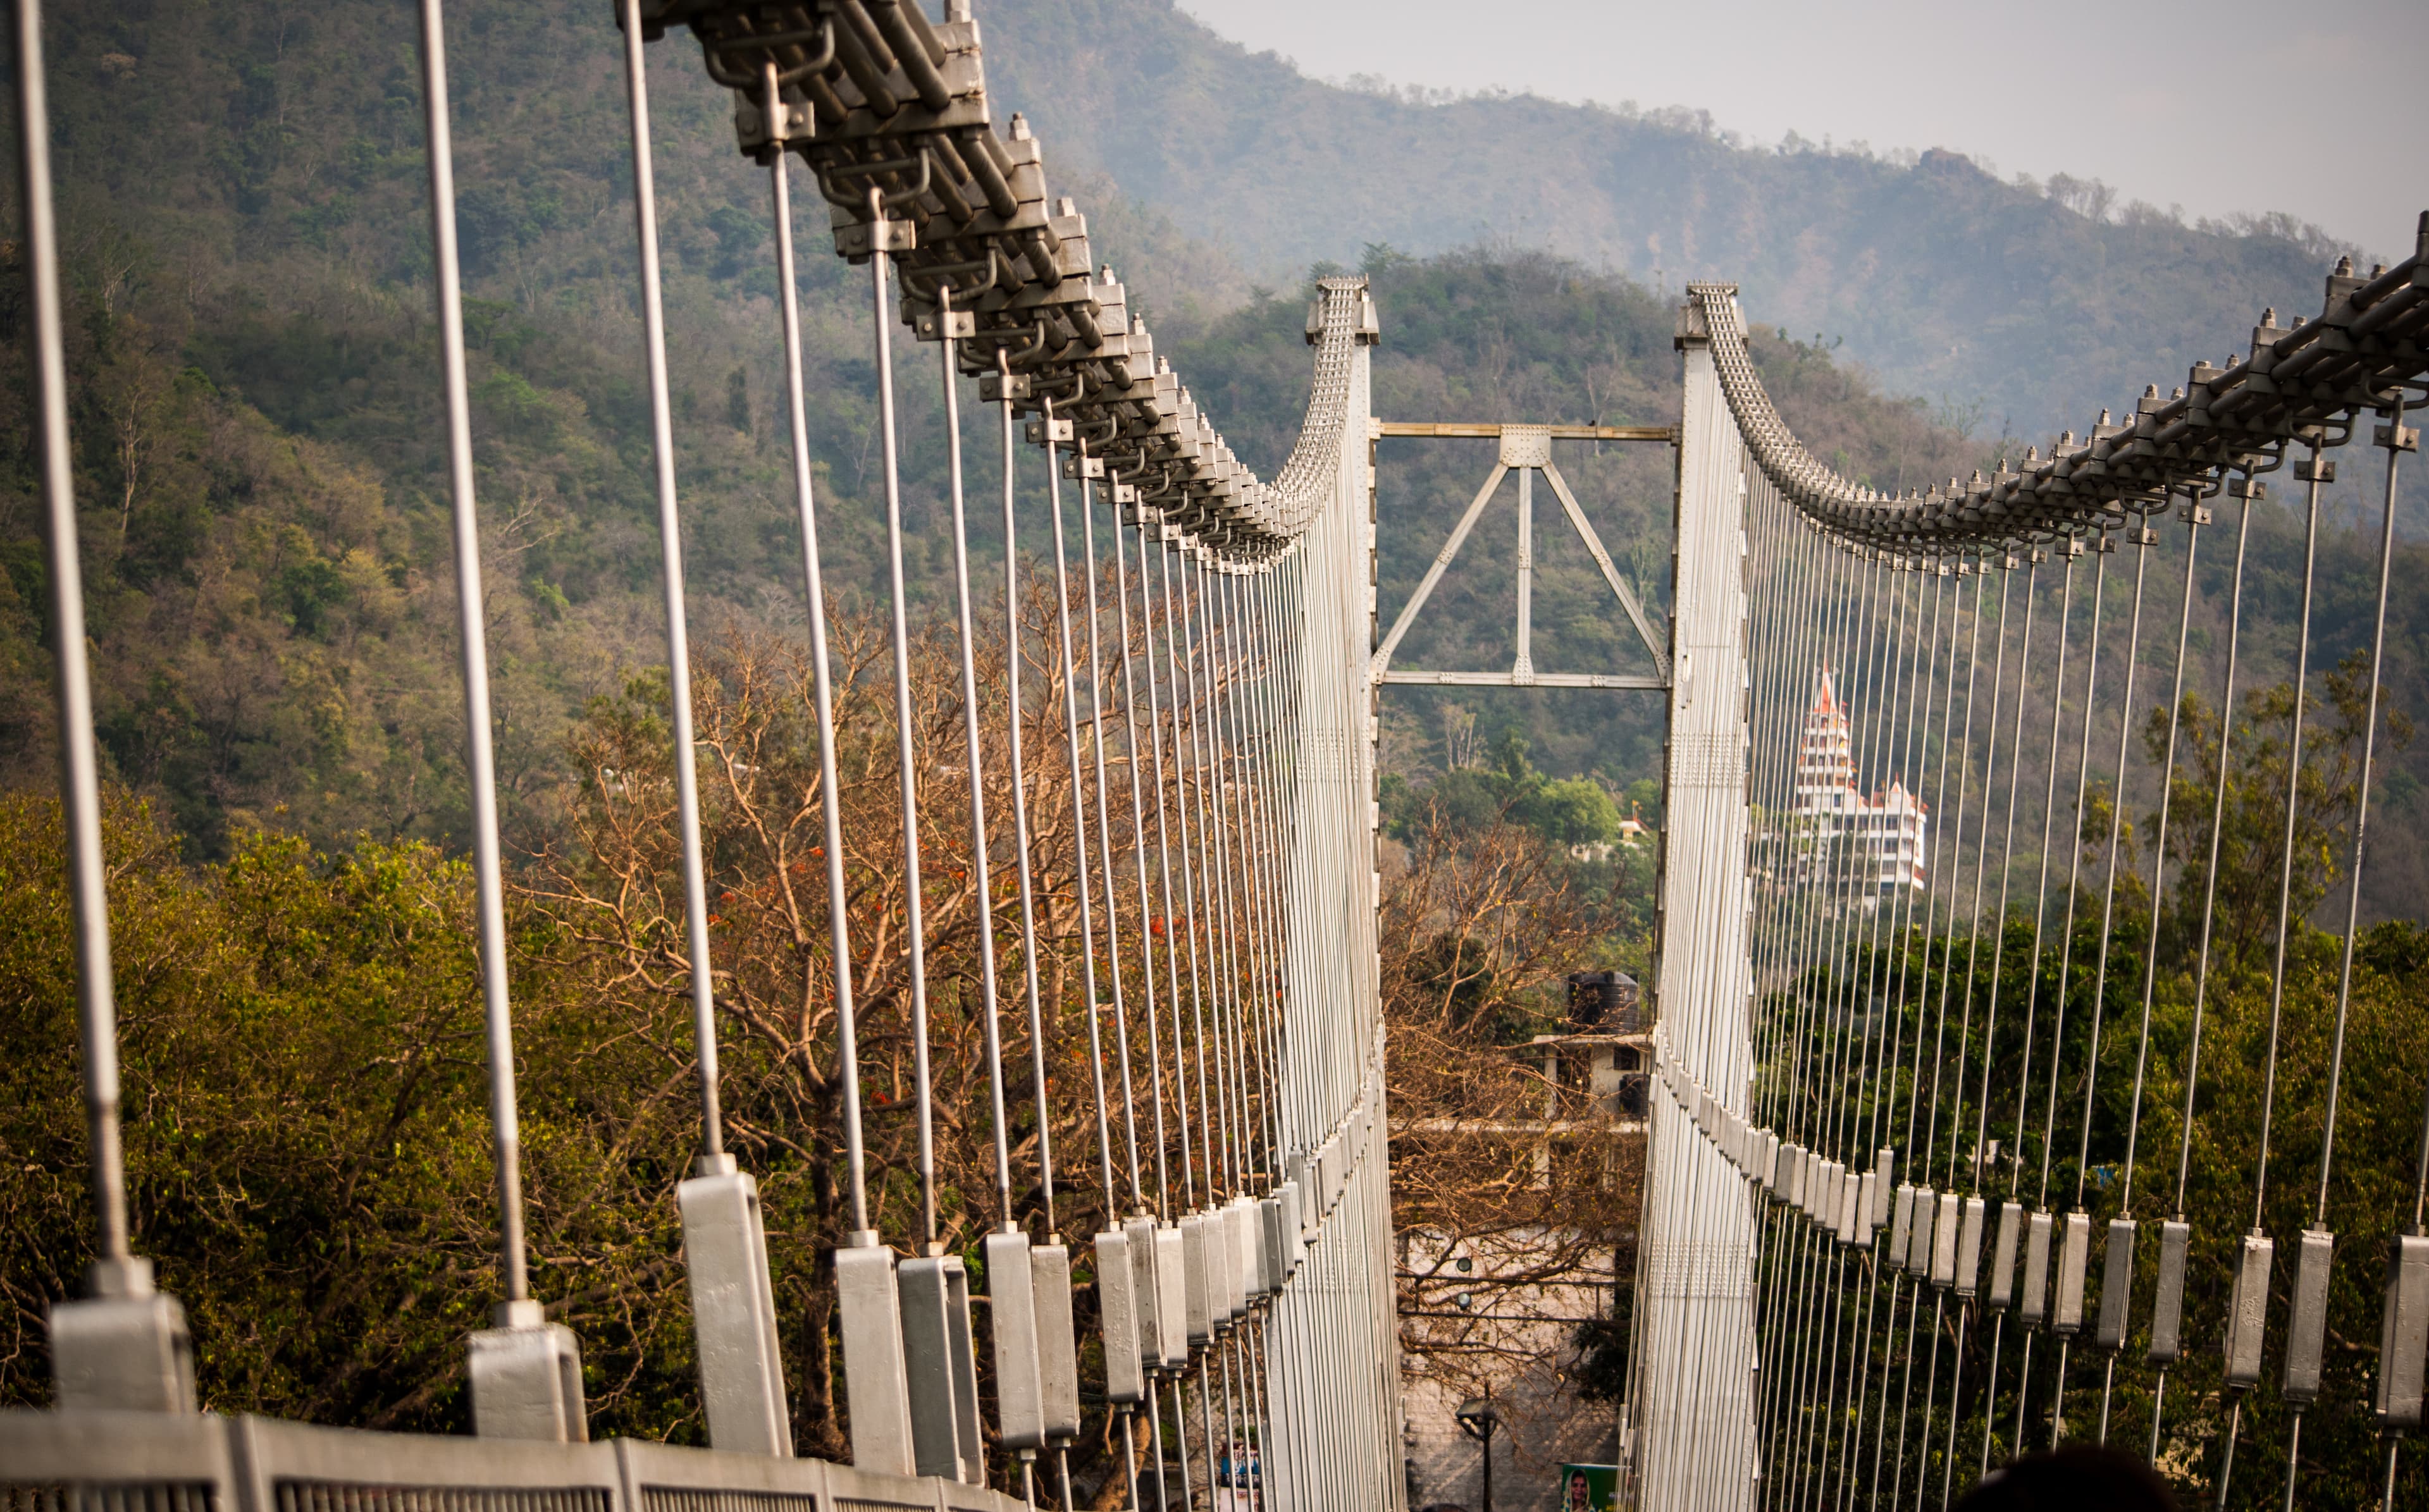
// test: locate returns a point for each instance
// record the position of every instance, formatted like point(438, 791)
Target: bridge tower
point(1338, 1360)
point(1694, 1359)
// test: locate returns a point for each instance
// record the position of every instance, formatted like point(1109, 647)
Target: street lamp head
point(1478, 1417)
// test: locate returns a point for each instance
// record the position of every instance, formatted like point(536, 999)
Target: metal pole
point(469, 607)
point(125, 1345)
point(525, 1373)
point(79, 780)
point(822, 693)
point(662, 446)
point(905, 755)
point(1487, 1465)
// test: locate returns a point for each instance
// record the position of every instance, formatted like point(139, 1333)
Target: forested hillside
point(260, 439)
point(258, 434)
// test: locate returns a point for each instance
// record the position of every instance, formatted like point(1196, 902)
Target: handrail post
point(126, 1344)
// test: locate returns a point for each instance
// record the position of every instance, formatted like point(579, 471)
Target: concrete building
point(1885, 832)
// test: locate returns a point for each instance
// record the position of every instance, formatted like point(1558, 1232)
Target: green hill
point(2006, 301)
point(259, 440)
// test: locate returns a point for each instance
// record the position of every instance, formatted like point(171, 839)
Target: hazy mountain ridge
point(1946, 282)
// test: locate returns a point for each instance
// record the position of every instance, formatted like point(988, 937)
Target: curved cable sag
point(880, 101)
point(2363, 346)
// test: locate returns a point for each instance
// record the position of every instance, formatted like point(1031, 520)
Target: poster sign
point(1589, 1488)
point(1239, 1478)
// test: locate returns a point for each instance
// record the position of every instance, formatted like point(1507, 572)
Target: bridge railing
point(1258, 1258)
point(98, 1461)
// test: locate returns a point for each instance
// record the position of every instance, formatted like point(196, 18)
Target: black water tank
point(1603, 1002)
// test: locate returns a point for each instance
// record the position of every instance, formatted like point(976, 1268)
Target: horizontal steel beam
point(1626, 681)
point(1454, 430)
point(1549, 1128)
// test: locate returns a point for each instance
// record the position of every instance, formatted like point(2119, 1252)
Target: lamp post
point(1478, 1417)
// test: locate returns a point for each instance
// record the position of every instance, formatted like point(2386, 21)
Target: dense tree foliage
point(306, 1125)
point(306, 1128)
point(2044, 1011)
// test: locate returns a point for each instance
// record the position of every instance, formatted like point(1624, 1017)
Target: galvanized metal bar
point(1523, 669)
point(1460, 429)
point(2397, 439)
point(1619, 682)
point(1023, 863)
point(1434, 574)
point(906, 756)
point(124, 1345)
point(1619, 588)
point(481, 766)
point(670, 568)
point(79, 780)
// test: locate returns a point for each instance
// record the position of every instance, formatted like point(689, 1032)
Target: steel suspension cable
point(2192, 517)
point(1800, 1094)
point(2117, 1274)
point(822, 700)
point(1814, 1118)
point(2310, 1319)
point(2294, 1394)
point(914, 906)
point(2071, 1251)
point(1919, 749)
point(2285, 871)
point(2257, 1251)
point(1139, 776)
point(1023, 854)
point(2010, 1210)
point(2037, 1259)
point(1201, 977)
point(480, 762)
point(2209, 902)
point(1845, 1082)
point(1089, 575)
point(670, 568)
point(1902, 1196)
point(981, 865)
point(1048, 433)
point(1155, 775)
point(1861, 990)
point(1879, 976)
point(116, 1272)
point(1850, 615)
point(1234, 794)
point(1201, 859)
point(1782, 1062)
point(1953, 843)
point(1976, 1209)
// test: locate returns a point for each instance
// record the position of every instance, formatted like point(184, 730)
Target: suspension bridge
point(1858, 1102)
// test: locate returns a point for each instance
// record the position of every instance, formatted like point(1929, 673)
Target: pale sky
point(2321, 109)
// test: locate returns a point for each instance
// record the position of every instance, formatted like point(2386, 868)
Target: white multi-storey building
point(1888, 828)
